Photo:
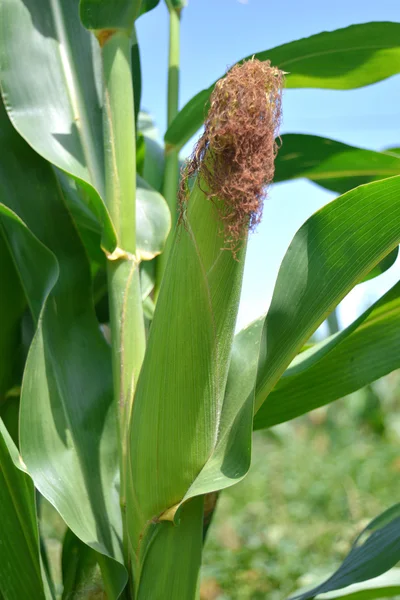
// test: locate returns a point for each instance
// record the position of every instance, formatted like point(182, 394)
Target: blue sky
point(217, 33)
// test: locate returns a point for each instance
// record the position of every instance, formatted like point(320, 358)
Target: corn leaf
point(12, 307)
point(383, 586)
point(174, 554)
point(153, 219)
point(383, 265)
point(60, 114)
point(68, 434)
point(109, 14)
point(366, 350)
point(332, 252)
point(21, 573)
point(79, 568)
point(331, 164)
point(148, 5)
point(376, 550)
point(341, 60)
point(152, 167)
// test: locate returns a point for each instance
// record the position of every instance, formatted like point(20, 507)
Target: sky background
point(216, 34)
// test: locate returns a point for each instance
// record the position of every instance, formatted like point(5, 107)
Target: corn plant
point(126, 399)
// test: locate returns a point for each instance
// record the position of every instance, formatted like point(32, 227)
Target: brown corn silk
point(234, 158)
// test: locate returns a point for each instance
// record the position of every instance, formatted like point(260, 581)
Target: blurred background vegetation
point(314, 484)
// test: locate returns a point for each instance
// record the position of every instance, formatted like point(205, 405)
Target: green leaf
point(68, 435)
point(51, 82)
point(153, 220)
point(60, 114)
point(331, 164)
point(395, 151)
point(384, 586)
point(80, 571)
point(21, 573)
point(174, 554)
point(332, 252)
point(383, 266)
point(376, 550)
point(136, 74)
point(109, 14)
point(341, 60)
point(153, 158)
point(343, 363)
point(148, 5)
point(147, 278)
point(12, 307)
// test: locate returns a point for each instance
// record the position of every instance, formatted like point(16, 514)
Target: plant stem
point(171, 173)
point(126, 314)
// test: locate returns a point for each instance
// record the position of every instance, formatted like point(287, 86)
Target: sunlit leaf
point(109, 14)
point(341, 60)
point(68, 434)
point(376, 550)
point(343, 363)
point(331, 164)
point(21, 573)
point(333, 251)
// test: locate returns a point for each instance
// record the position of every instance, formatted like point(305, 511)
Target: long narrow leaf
point(343, 59)
point(60, 114)
point(68, 433)
point(340, 365)
point(383, 586)
point(376, 550)
point(21, 573)
point(331, 164)
point(334, 250)
point(79, 569)
point(12, 306)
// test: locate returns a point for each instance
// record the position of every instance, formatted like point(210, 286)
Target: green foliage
point(340, 60)
point(313, 486)
point(376, 550)
point(109, 14)
point(21, 573)
point(330, 164)
point(338, 366)
point(126, 442)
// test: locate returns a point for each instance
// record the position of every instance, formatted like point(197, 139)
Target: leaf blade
point(375, 551)
point(342, 59)
point(331, 164)
point(21, 571)
point(334, 250)
point(357, 356)
point(68, 436)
